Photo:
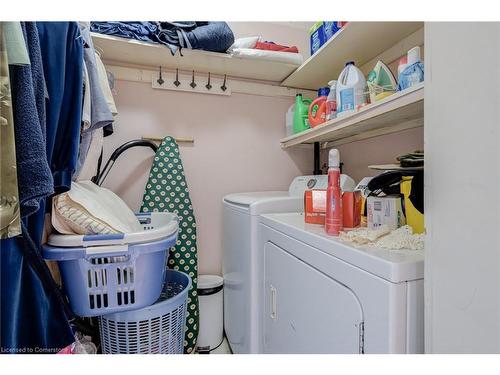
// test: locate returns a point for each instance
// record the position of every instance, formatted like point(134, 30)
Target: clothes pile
point(271, 46)
point(255, 48)
point(208, 36)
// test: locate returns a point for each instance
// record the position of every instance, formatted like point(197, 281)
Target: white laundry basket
point(210, 296)
point(156, 329)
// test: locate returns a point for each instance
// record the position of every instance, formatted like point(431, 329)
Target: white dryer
point(324, 296)
point(242, 266)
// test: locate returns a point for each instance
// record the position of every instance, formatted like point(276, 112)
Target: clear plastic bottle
point(331, 101)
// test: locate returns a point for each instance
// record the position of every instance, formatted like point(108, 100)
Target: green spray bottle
point(300, 114)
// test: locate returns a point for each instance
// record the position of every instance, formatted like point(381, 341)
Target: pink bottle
point(333, 219)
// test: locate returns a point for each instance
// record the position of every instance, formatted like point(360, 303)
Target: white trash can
point(210, 296)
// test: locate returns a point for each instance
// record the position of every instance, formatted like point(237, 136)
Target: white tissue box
point(386, 210)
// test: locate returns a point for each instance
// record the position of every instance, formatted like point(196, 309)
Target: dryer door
point(305, 310)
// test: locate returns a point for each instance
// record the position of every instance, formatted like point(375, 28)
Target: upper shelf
point(118, 51)
point(357, 41)
point(400, 111)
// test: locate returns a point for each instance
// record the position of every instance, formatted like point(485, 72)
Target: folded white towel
point(259, 54)
point(247, 42)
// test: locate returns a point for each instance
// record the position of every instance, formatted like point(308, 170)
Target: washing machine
point(242, 259)
point(324, 296)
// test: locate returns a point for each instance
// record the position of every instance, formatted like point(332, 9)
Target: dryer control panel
point(303, 183)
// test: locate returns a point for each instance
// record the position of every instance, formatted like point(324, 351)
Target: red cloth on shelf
point(269, 46)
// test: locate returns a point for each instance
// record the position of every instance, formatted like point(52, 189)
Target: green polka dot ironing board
point(166, 190)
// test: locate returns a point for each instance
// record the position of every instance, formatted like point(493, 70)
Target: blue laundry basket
point(108, 273)
point(157, 329)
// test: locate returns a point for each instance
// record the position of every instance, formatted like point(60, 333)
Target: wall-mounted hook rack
point(208, 85)
point(177, 82)
point(216, 85)
point(224, 87)
point(160, 79)
point(193, 83)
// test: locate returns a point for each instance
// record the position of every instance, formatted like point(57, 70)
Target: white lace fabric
point(399, 239)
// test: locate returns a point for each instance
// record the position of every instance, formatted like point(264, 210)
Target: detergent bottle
point(413, 72)
point(317, 109)
point(350, 89)
point(331, 101)
point(301, 108)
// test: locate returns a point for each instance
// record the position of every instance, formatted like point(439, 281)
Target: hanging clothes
point(84, 170)
point(101, 115)
point(86, 111)
point(167, 190)
point(89, 169)
point(28, 99)
point(88, 164)
point(15, 44)
point(104, 84)
point(62, 55)
point(33, 311)
point(34, 315)
point(10, 218)
point(93, 145)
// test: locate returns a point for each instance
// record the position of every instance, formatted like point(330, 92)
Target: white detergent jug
point(350, 89)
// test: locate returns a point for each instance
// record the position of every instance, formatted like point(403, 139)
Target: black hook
point(193, 83)
point(224, 87)
point(176, 82)
point(160, 80)
point(208, 85)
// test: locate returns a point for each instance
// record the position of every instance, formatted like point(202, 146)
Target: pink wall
point(236, 149)
point(236, 145)
point(357, 156)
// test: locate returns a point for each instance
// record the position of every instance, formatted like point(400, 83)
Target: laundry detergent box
point(317, 36)
point(386, 210)
point(315, 206)
point(331, 28)
point(351, 209)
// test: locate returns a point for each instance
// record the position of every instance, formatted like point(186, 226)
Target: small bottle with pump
point(331, 101)
point(333, 218)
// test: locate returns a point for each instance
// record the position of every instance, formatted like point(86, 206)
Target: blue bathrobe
point(34, 317)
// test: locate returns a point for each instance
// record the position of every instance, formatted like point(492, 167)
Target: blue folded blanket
point(208, 36)
point(213, 36)
point(133, 30)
